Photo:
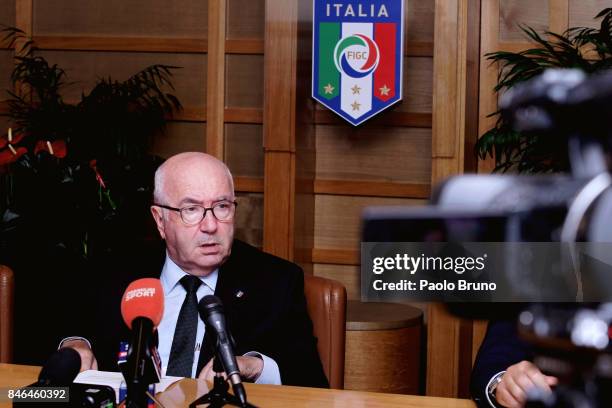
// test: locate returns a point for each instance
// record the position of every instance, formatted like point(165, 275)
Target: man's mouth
point(211, 247)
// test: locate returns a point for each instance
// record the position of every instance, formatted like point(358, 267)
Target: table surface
point(185, 391)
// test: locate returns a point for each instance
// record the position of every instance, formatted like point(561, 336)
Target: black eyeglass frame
point(206, 209)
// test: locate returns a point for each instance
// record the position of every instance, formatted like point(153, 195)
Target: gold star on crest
point(328, 89)
point(355, 89)
point(355, 106)
point(384, 90)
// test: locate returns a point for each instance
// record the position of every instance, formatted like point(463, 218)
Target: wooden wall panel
point(7, 12)
point(4, 124)
point(180, 137)
point(244, 81)
point(348, 275)
point(417, 85)
point(513, 12)
point(249, 218)
point(244, 149)
point(419, 20)
point(245, 19)
point(374, 153)
point(84, 67)
point(581, 12)
point(6, 67)
point(153, 18)
point(338, 218)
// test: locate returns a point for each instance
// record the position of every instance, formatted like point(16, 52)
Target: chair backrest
point(7, 287)
point(326, 301)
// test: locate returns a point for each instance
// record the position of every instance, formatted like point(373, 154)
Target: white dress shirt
point(174, 296)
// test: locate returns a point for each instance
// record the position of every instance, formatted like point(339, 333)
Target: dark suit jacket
point(270, 317)
point(500, 349)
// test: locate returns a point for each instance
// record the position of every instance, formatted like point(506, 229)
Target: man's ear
point(158, 216)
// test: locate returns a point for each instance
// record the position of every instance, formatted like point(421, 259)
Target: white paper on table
point(114, 379)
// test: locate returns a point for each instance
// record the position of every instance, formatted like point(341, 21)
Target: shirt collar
point(172, 274)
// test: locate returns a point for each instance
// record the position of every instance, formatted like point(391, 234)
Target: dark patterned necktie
point(180, 362)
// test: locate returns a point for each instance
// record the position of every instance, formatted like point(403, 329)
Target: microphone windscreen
point(61, 369)
point(209, 304)
point(143, 298)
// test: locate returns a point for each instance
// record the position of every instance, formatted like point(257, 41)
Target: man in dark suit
point(263, 296)
point(503, 373)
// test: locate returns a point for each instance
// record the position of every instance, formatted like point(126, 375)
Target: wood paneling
point(374, 153)
point(249, 218)
point(392, 117)
point(444, 341)
point(280, 75)
point(418, 49)
point(338, 219)
point(4, 125)
point(153, 18)
point(6, 67)
point(515, 12)
point(248, 184)
point(279, 187)
point(246, 46)
point(558, 11)
point(348, 275)
point(488, 73)
point(142, 44)
point(180, 137)
point(215, 92)
point(372, 188)
point(243, 115)
point(419, 20)
point(280, 84)
point(244, 88)
point(83, 68)
point(245, 19)
point(417, 85)
point(581, 12)
point(244, 149)
point(7, 12)
point(336, 256)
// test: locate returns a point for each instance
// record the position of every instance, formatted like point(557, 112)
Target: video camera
point(574, 210)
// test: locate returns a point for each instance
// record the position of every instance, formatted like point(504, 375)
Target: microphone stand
point(218, 396)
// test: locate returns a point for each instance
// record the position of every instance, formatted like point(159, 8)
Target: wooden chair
point(7, 287)
point(326, 300)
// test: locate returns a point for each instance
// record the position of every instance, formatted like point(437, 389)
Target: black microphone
point(211, 312)
point(61, 369)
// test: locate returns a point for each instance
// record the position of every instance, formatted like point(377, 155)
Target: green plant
point(589, 49)
point(77, 166)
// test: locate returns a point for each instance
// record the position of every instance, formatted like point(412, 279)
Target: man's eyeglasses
point(192, 214)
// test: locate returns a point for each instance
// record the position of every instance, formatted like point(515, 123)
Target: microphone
point(142, 308)
point(61, 369)
point(211, 312)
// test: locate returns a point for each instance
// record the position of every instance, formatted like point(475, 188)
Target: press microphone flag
point(142, 308)
point(143, 298)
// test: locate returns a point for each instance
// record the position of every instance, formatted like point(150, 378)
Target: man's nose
point(208, 223)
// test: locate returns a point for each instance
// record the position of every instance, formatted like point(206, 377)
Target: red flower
point(16, 139)
point(93, 164)
point(7, 156)
point(57, 148)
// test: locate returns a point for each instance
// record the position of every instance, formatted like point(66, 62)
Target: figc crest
point(357, 56)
